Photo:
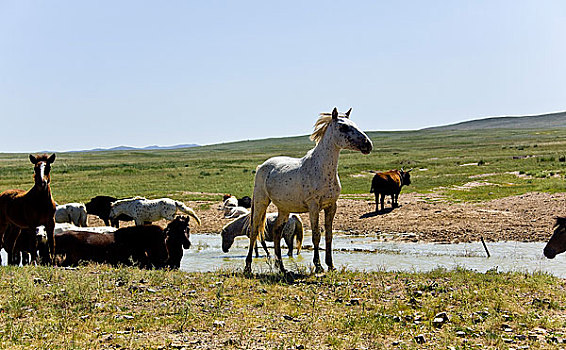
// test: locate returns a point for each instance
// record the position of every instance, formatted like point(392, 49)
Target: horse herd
point(294, 185)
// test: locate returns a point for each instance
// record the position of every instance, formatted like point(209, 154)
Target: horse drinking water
point(309, 184)
point(28, 209)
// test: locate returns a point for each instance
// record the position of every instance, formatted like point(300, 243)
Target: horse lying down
point(232, 209)
point(147, 246)
point(292, 229)
point(74, 213)
point(145, 211)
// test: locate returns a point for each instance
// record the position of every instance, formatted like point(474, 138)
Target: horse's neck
point(36, 194)
point(325, 154)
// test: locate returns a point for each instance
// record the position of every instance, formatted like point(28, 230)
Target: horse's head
point(343, 132)
point(227, 239)
point(178, 230)
point(42, 169)
point(557, 243)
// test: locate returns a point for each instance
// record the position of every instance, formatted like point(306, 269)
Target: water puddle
point(368, 253)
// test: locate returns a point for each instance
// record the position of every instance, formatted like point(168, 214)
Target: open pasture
point(510, 162)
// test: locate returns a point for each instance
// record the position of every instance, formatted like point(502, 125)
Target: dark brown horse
point(145, 246)
point(28, 209)
point(557, 243)
point(177, 237)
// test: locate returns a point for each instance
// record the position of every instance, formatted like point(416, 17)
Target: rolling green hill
point(539, 121)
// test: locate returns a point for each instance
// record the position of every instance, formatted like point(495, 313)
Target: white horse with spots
point(74, 213)
point(149, 210)
point(309, 184)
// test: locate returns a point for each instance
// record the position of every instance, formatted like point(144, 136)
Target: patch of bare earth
point(425, 218)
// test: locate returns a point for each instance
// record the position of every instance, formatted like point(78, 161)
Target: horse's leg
point(10, 242)
point(256, 250)
point(382, 201)
point(49, 230)
point(314, 213)
point(328, 219)
point(277, 229)
point(264, 246)
point(259, 209)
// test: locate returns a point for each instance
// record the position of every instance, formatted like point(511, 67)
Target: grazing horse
point(148, 210)
point(309, 184)
point(557, 243)
point(74, 213)
point(100, 206)
point(293, 229)
point(22, 210)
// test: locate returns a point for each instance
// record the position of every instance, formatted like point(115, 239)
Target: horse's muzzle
point(549, 253)
point(366, 147)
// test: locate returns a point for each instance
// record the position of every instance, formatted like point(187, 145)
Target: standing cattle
point(389, 183)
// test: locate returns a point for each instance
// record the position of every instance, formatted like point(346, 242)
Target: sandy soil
point(426, 218)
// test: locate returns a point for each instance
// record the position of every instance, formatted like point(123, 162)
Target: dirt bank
point(427, 218)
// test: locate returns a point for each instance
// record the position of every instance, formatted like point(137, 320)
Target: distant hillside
point(540, 121)
point(128, 148)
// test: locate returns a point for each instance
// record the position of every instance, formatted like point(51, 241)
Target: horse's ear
point(348, 113)
point(32, 159)
point(335, 113)
point(51, 159)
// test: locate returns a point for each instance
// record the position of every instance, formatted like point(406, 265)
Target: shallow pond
point(368, 253)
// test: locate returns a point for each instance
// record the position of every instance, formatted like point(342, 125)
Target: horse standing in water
point(25, 210)
point(309, 184)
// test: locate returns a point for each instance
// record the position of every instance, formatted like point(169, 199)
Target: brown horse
point(29, 209)
point(176, 238)
point(147, 246)
point(557, 243)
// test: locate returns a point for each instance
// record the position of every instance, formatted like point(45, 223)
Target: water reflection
point(369, 253)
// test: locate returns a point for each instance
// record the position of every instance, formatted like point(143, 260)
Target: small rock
point(151, 290)
point(461, 334)
point(507, 340)
point(420, 339)
point(128, 317)
point(355, 301)
point(300, 347)
point(218, 323)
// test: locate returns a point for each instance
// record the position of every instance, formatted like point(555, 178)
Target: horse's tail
point(261, 225)
point(299, 233)
point(182, 207)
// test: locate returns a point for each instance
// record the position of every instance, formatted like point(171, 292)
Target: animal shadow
point(372, 214)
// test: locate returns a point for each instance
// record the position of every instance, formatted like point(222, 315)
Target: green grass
point(96, 306)
point(440, 160)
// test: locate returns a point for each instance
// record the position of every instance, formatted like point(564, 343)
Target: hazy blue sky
point(85, 74)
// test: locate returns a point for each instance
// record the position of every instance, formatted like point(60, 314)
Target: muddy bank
point(427, 218)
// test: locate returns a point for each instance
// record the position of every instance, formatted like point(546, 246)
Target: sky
point(84, 74)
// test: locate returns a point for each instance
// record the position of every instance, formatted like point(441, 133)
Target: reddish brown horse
point(26, 210)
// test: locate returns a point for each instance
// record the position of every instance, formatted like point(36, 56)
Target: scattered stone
point(151, 290)
point(440, 319)
point(461, 334)
point(355, 301)
point(507, 340)
point(218, 323)
point(300, 347)
point(420, 339)
point(128, 317)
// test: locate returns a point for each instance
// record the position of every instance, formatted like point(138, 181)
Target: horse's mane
point(322, 123)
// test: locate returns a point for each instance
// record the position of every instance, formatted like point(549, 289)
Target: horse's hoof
point(318, 269)
point(289, 277)
point(248, 271)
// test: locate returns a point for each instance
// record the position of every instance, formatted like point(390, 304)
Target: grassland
point(442, 160)
point(97, 307)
